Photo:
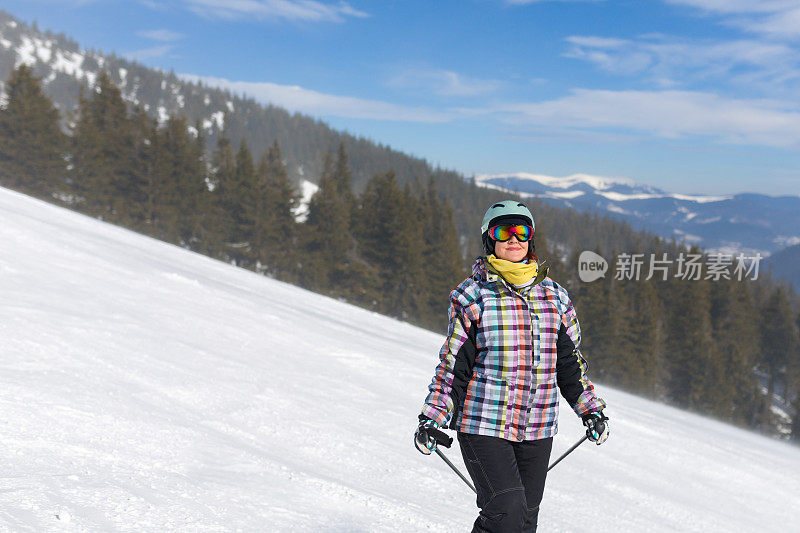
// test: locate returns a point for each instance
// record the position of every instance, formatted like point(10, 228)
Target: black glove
point(596, 427)
point(424, 442)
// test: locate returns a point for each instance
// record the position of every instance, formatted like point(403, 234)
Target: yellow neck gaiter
point(515, 273)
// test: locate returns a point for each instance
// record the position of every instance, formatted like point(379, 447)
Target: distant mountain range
point(786, 264)
point(749, 223)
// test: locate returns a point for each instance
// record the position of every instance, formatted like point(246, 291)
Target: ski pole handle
point(441, 437)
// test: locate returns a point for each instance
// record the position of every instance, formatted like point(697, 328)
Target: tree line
point(725, 347)
point(398, 244)
point(388, 249)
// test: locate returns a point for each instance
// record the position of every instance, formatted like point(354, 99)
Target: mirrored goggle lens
point(503, 233)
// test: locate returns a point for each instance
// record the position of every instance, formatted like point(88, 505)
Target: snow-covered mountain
point(66, 69)
point(742, 222)
point(147, 388)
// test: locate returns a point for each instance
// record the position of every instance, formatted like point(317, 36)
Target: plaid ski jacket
point(507, 351)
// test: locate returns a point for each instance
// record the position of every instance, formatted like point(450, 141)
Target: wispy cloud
point(775, 18)
point(612, 116)
point(524, 2)
point(665, 114)
point(670, 61)
point(315, 103)
point(296, 10)
point(163, 35)
point(149, 53)
point(738, 6)
point(442, 82)
point(784, 24)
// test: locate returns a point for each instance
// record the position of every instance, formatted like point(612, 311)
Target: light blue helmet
point(509, 212)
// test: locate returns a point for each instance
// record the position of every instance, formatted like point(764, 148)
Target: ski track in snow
point(147, 388)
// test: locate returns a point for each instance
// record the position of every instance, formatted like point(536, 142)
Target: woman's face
point(511, 250)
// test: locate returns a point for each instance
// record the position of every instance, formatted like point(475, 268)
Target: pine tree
point(595, 305)
point(689, 349)
point(443, 264)
point(327, 241)
point(104, 154)
point(639, 337)
point(384, 238)
point(733, 392)
point(743, 348)
point(275, 229)
point(794, 367)
point(343, 178)
point(222, 178)
point(235, 184)
point(145, 134)
point(410, 276)
point(779, 340)
point(32, 146)
point(180, 183)
point(242, 202)
point(207, 235)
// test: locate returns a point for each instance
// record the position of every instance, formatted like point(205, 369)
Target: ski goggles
point(503, 233)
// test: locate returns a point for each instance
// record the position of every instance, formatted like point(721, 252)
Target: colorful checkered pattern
point(513, 392)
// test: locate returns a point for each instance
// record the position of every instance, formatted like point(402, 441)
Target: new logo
point(591, 266)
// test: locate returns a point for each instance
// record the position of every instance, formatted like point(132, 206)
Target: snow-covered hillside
point(147, 388)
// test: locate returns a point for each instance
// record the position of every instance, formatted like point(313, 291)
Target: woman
point(513, 337)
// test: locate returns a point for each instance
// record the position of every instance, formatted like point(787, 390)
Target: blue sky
point(691, 96)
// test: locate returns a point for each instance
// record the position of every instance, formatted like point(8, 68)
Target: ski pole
point(585, 437)
point(445, 440)
point(456, 470)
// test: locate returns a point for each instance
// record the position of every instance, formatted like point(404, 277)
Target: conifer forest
point(398, 242)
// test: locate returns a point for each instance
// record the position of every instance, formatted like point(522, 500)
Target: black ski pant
point(509, 477)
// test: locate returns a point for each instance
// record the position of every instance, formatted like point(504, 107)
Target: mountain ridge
point(743, 222)
point(66, 70)
point(786, 264)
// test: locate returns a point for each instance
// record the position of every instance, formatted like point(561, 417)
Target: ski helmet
point(509, 212)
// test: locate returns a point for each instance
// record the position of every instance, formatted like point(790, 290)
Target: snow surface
point(307, 190)
point(147, 388)
point(566, 195)
point(600, 184)
point(621, 197)
point(217, 117)
point(564, 182)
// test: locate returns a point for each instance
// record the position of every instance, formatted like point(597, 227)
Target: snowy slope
point(147, 388)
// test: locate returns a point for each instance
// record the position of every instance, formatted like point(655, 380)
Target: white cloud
point(785, 24)
point(665, 59)
point(729, 7)
point(596, 115)
point(774, 18)
point(315, 103)
point(148, 53)
point(162, 35)
point(665, 114)
point(592, 41)
point(442, 82)
point(525, 2)
point(299, 10)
